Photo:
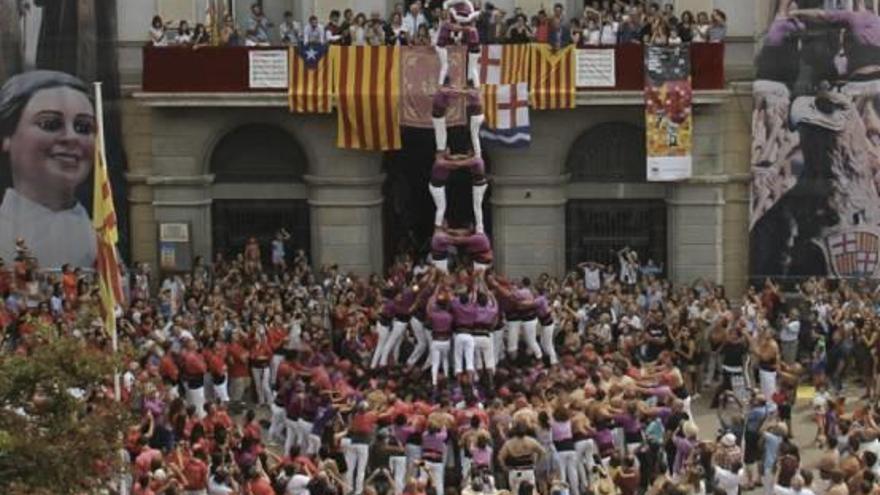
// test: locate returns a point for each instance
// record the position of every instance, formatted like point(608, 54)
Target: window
point(258, 153)
point(596, 230)
point(609, 152)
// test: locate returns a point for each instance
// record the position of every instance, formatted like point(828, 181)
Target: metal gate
point(596, 230)
point(234, 221)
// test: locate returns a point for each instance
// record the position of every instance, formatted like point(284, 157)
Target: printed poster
point(815, 158)
point(668, 116)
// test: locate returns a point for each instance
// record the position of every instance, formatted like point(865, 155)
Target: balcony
point(219, 76)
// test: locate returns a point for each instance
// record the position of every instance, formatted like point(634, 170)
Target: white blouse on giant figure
point(53, 237)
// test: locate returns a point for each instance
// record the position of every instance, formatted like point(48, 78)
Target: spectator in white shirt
point(608, 31)
point(184, 34)
point(788, 337)
point(592, 34)
point(358, 30)
point(258, 27)
point(157, 31)
point(289, 30)
point(313, 34)
point(730, 481)
point(414, 18)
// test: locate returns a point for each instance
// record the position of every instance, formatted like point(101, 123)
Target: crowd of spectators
point(275, 378)
point(602, 23)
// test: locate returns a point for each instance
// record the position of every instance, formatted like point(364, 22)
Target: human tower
point(472, 241)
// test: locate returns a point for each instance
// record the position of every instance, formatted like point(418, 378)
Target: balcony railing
point(225, 69)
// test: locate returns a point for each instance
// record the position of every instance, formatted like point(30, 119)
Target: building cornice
point(279, 99)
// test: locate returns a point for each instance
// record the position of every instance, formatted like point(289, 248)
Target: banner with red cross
point(507, 114)
point(852, 253)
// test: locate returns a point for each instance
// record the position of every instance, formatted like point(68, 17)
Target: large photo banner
point(815, 207)
point(51, 53)
point(668, 120)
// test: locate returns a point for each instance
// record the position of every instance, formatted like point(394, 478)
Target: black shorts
point(752, 453)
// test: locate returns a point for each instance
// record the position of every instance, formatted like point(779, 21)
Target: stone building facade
point(549, 205)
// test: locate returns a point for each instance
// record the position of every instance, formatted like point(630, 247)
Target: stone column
point(528, 222)
point(695, 222)
point(346, 220)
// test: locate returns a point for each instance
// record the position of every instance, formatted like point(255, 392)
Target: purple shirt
point(441, 321)
point(403, 303)
point(476, 244)
point(464, 314)
point(387, 311)
point(542, 307)
point(485, 316)
point(440, 243)
point(434, 443)
point(561, 430)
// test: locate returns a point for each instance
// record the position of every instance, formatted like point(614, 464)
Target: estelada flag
point(504, 64)
point(552, 77)
point(367, 82)
point(104, 221)
point(311, 82)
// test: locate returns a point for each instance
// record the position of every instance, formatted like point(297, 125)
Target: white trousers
point(439, 196)
point(397, 466)
point(383, 333)
point(291, 434)
point(221, 389)
point(515, 477)
point(768, 382)
point(261, 383)
point(529, 330)
point(464, 352)
point(585, 450)
point(356, 457)
point(568, 470)
point(309, 443)
point(439, 358)
point(547, 332)
point(498, 343)
point(392, 344)
point(484, 352)
point(514, 328)
point(422, 341)
point(276, 424)
point(479, 191)
point(438, 469)
point(196, 397)
point(276, 361)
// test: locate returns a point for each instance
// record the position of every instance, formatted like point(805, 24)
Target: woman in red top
point(238, 360)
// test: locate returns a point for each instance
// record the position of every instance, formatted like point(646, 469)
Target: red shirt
point(194, 364)
point(364, 423)
point(261, 352)
point(216, 360)
point(261, 487)
point(196, 473)
point(168, 368)
point(238, 361)
point(277, 337)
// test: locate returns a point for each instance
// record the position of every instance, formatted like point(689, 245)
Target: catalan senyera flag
point(367, 82)
point(552, 77)
point(311, 83)
point(504, 64)
point(104, 221)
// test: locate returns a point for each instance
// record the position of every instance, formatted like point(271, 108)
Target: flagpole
point(110, 316)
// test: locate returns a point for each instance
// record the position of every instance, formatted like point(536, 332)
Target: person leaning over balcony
point(184, 34)
point(701, 29)
point(229, 33)
point(47, 142)
point(258, 27)
point(718, 29)
point(314, 32)
point(289, 30)
point(157, 31)
point(519, 31)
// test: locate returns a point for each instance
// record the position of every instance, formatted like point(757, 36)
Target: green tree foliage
point(60, 430)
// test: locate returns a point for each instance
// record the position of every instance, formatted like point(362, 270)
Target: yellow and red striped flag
point(367, 82)
point(552, 77)
point(504, 64)
point(311, 82)
point(104, 221)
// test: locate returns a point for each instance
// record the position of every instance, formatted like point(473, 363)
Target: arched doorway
point(258, 189)
point(597, 227)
